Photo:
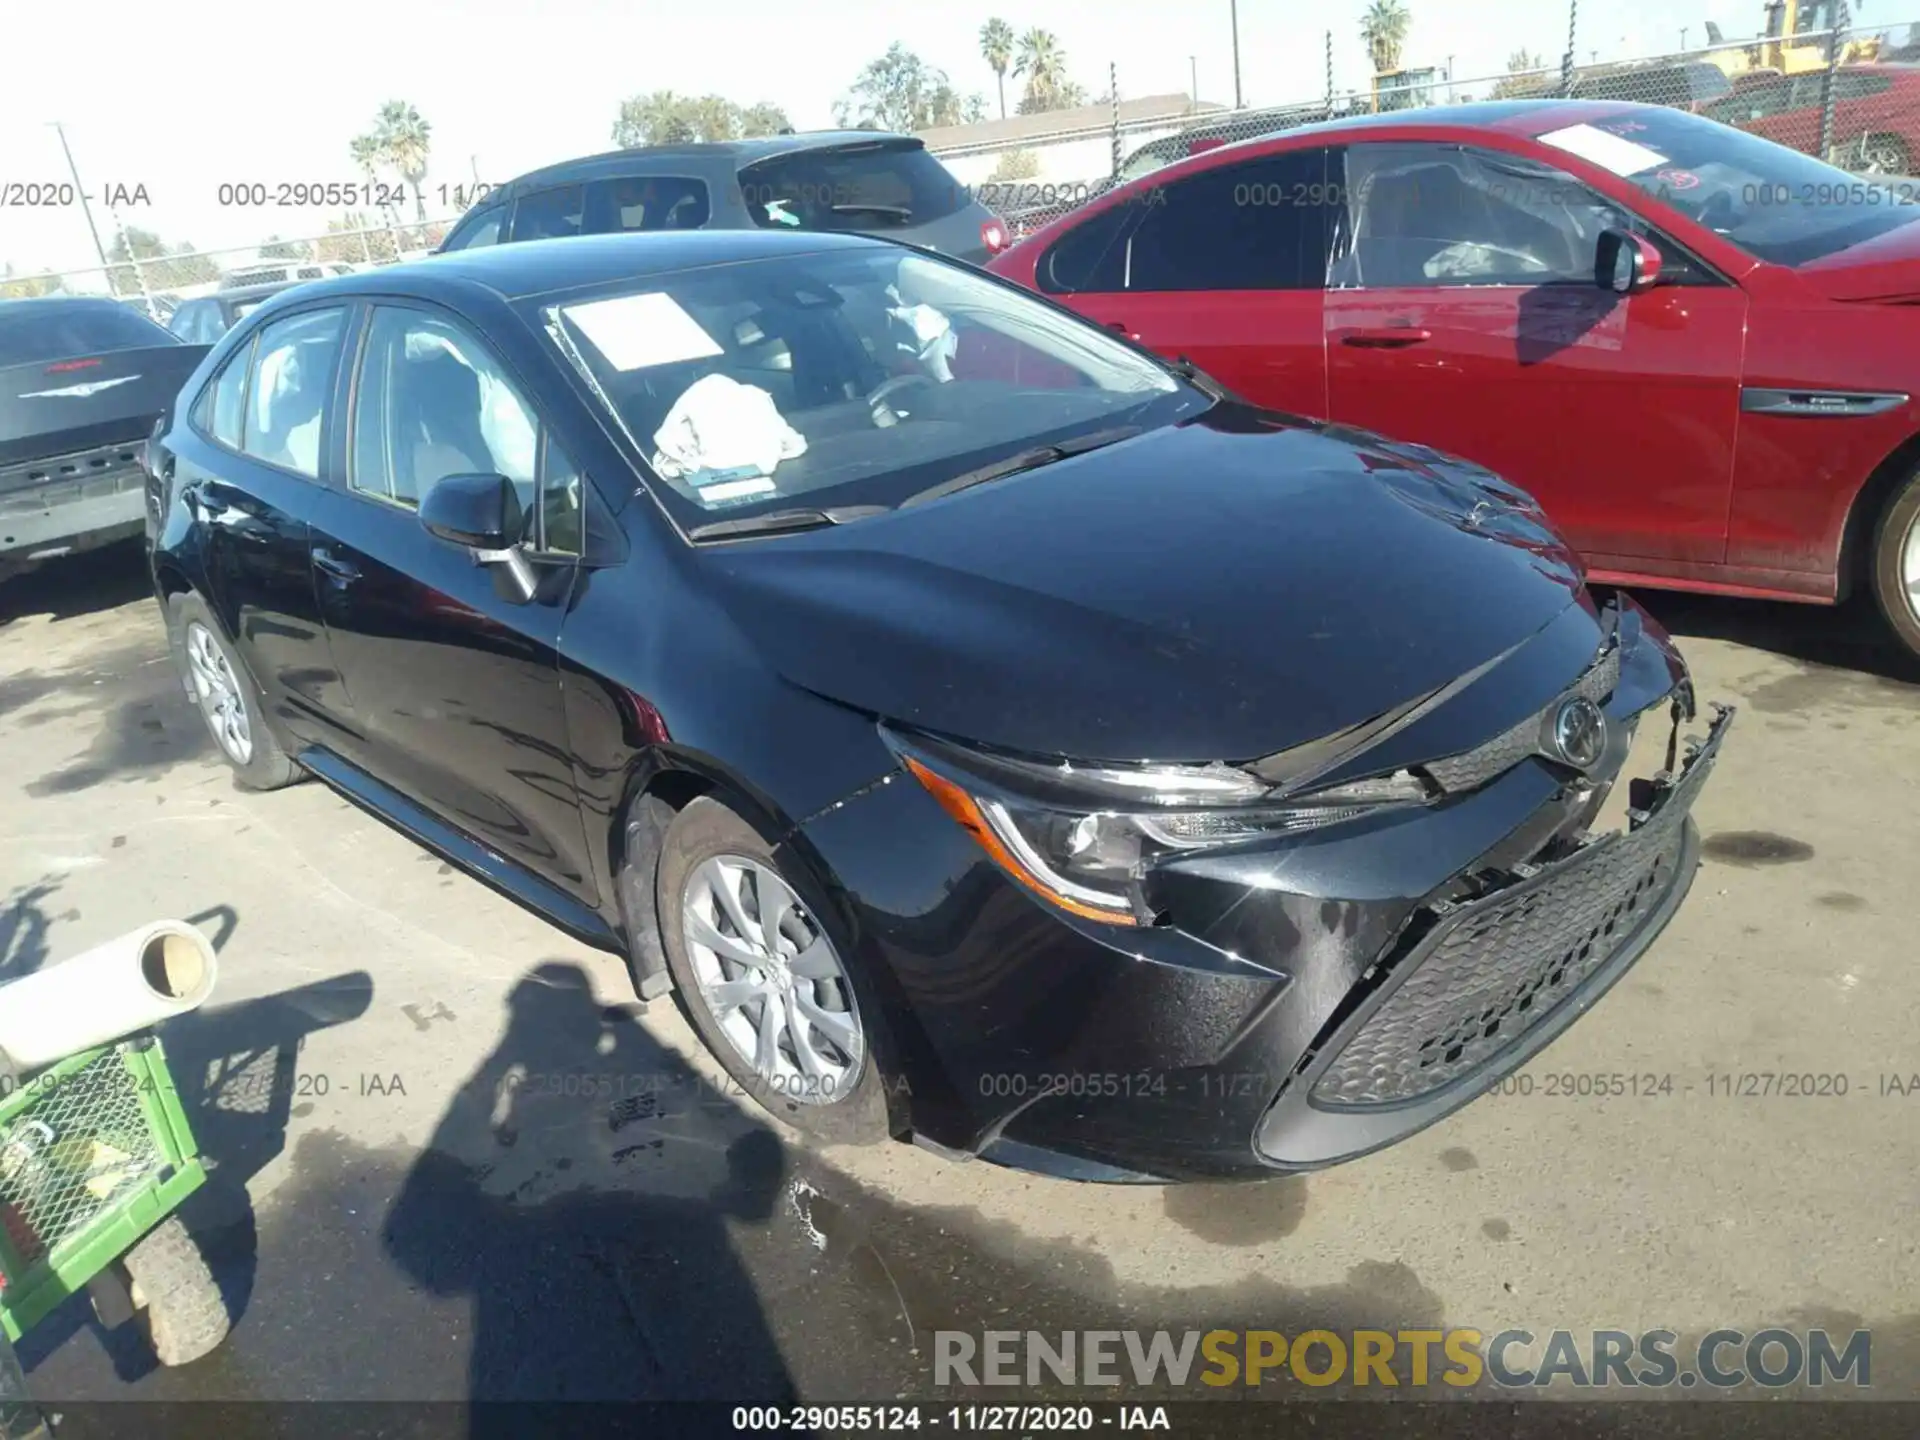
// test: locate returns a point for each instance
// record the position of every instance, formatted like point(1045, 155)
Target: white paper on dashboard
point(635, 331)
point(1610, 152)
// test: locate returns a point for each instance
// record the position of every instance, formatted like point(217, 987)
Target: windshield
point(34, 332)
point(843, 378)
point(1776, 204)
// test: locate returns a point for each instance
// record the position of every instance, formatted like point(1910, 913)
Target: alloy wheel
point(771, 980)
point(1910, 567)
point(217, 689)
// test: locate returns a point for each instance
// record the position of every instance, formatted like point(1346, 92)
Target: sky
point(182, 98)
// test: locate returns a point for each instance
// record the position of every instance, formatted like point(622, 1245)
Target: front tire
point(1896, 564)
point(226, 697)
point(764, 976)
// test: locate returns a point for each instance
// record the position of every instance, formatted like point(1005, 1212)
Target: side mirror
point(482, 513)
point(1625, 264)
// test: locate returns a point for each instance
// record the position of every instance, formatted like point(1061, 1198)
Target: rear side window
point(863, 187)
point(223, 404)
point(292, 380)
point(1091, 257)
point(647, 202)
point(476, 230)
point(1258, 225)
point(550, 214)
point(30, 333)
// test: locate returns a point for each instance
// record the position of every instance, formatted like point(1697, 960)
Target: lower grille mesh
point(1493, 968)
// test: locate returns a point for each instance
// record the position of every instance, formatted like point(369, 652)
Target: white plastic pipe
point(130, 983)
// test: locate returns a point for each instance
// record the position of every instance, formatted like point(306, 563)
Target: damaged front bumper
point(1298, 1002)
point(1475, 989)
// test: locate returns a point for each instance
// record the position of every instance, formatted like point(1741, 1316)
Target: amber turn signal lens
point(966, 814)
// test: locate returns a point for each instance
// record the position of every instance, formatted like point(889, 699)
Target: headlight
point(1082, 836)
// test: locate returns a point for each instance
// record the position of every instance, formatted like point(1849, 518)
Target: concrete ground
point(415, 1199)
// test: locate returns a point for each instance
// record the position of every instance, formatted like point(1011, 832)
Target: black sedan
point(994, 735)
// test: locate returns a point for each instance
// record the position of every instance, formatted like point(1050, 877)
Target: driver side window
point(430, 402)
point(1442, 215)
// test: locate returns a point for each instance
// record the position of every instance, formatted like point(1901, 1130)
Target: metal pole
point(1834, 47)
point(1113, 96)
point(1193, 80)
point(1683, 38)
point(1329, 44)
point(81, 191)
point(1234, 7)
point(1566, 61)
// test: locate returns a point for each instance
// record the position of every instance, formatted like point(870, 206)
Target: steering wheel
point(884, 414)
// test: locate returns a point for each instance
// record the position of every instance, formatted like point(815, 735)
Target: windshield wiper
point(1022, 460)
point(774, 522)
point(1200, 380)
point(898, 211)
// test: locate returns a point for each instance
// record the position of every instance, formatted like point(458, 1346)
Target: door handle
point(342, 571)
point(1386, 337)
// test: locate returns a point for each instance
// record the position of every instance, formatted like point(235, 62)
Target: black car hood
point(1221, 589)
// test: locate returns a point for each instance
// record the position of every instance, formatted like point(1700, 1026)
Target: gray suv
point(840, 180)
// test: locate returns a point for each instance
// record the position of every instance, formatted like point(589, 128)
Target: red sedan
point(1699, 349)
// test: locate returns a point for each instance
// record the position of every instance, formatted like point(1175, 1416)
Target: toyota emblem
point(1580, 732)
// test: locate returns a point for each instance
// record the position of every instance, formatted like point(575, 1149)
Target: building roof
point(989, 135)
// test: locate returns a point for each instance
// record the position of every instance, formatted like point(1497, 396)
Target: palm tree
point(1044, 64)
point(404, 140)
point(996, 48)
point(1384, 28)
point(369, 158)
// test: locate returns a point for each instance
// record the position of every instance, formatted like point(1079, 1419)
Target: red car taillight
point(993, 235)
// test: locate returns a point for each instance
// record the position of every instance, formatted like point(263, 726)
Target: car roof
point(658, 159)
point(1528, 118)
point(78, 302)
point(538, 267)
point(257, 291)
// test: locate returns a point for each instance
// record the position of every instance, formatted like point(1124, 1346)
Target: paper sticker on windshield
point(635, 331)
point(1610, 152)
point(732, 492)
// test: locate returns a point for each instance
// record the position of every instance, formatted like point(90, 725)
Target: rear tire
point(176, 1299)
point(226, 697)
point(1896, 564)
point(807, 1041)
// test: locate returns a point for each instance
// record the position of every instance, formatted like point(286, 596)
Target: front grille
point(1492, 968)
point(83, 475)
point(1497, 756)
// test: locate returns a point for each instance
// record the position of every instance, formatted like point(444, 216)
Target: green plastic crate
point(94, 1152)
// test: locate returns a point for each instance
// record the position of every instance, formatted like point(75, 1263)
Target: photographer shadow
point(580, 1189)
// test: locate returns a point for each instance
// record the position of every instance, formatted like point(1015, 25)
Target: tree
point(1015, 165)
point(665, 118)
point(900, 91)
point(996, 48)
point(1384, 29)
point(1044, 63)
point(274, 248)
point(26, 287)
point(763, 118)
point(400, 141)
point(1522, 79)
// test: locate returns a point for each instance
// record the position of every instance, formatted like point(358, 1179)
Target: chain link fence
point(1848, 94)
point(160, 280)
